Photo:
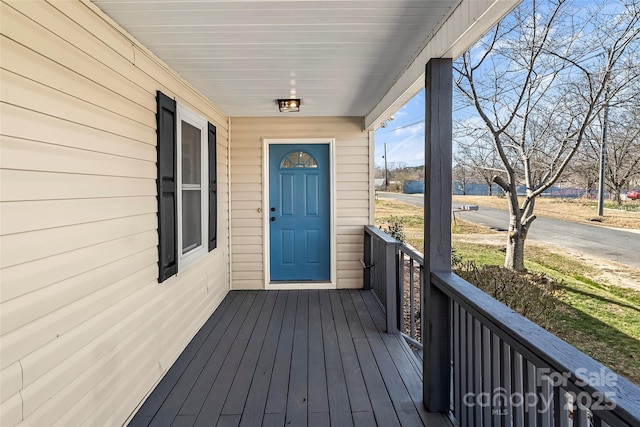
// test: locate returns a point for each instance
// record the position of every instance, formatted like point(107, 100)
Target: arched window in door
point(297, 160)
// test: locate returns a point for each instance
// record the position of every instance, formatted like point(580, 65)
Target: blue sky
point(404, 136)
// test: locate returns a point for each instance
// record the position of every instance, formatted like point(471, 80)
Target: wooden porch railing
point(504, 369)
point(394, 271)
point(380, 271)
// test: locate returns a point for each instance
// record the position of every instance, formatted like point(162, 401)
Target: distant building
point(413, 186)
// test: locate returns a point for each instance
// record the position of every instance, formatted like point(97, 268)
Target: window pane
point(190, 154)
point(299, 159)
point(191, 224)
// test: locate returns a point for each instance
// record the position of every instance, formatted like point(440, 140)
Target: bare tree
point(537, 82)
point(461, 175)
point(623, 136)
point(582, 172)
point(623, 159)
point(479, 157)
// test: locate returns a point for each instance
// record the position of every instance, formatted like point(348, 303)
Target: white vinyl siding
point(86, 329)
point(352, 191)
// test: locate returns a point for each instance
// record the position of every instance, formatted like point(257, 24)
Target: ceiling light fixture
point(289, 105)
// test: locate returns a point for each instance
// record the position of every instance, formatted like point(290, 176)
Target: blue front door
point(299, 210)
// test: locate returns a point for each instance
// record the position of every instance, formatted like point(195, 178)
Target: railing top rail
point(541, 346)
point(412, 253)
point(376, 232)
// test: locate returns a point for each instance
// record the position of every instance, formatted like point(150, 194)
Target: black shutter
point(213, 190)
point(167, 182)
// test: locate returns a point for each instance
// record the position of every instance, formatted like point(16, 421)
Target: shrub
point(534, 296)
point(395, 228)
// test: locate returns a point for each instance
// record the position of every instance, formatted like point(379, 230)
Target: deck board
point(318, 398)
point(236, 399)
point(339, 410)
point(185, 371)
point(198, 394)
point(279, 386)
point(210, 411)
point(296, 411)
point(296, 358)
point(256, 401)
point(358, 396)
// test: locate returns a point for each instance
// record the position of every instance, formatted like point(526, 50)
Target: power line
point(418, 121)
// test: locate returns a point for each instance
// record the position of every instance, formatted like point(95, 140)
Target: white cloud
point(414, 129)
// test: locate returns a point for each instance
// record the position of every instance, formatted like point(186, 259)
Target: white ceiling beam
point(467, 24)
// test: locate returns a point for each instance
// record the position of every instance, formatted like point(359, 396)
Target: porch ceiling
point(341, 57)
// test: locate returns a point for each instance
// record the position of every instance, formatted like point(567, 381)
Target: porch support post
point(437, 231)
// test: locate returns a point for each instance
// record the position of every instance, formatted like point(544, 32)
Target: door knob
point(273, 218)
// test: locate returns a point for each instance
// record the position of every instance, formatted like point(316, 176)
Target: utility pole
point(386, 179)
point(603, 148)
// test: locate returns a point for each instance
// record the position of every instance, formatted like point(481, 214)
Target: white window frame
point(183, 114)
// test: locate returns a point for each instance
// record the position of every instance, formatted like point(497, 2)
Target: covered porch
point(301, 357)
point(92, 336)
point(357, 357)
point(101, 296)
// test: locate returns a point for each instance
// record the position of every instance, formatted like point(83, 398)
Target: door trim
point(332, 283)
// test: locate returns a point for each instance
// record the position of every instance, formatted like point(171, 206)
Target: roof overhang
point(361, 58)
point(468, 22)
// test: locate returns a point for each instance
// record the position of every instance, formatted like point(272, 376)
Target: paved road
point(612, 244)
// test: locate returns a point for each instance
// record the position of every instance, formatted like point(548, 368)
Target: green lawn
point(601, 320)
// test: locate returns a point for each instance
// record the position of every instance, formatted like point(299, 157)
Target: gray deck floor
point(294, 358)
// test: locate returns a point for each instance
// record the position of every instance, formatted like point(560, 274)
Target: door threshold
point(284, 282)
point(300, 285)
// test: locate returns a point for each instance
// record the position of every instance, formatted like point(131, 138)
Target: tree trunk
point(616, 195)
point(517, 234)
point(514, 259)
point(489, 182)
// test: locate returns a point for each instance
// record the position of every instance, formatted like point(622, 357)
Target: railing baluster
point(464, 352)
point(596, 421)
point(546, 391)
point(380, 268)
point(477, 370)
point(496, 369)
point(420, 307)
point(580, 416)
point(457, 366)
point(518, 389)
point(391, 292)
point(412, 317)
point(561, 408)
point(469, 356)
point(530, 396)
point(507, 419)
point(401, 290)
point(486, 374)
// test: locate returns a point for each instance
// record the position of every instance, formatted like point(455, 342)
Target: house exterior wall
point(86, 330)
point(354, 187)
